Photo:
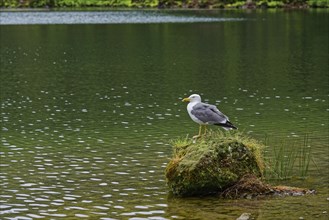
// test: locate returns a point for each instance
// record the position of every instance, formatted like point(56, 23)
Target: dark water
point(88, 110)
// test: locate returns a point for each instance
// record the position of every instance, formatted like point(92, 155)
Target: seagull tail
point(227, 126)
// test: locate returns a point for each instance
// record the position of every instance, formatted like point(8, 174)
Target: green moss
point(212, 163)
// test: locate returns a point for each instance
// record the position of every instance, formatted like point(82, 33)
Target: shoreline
point(173, 5)
point(31, 9)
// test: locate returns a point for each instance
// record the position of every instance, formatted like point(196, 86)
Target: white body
point(189, 110)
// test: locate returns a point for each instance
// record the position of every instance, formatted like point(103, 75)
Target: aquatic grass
point(288, 160)
point(305, 158)
point(285, 157)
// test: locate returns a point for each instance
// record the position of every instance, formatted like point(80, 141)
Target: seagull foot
point(196, 136)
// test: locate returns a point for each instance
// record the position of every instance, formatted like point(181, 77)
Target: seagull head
point(192, 98)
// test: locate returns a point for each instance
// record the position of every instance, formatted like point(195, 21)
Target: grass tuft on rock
point(212, 163)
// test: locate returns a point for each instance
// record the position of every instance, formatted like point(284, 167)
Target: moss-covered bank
point(166, 3)
point(228, 164)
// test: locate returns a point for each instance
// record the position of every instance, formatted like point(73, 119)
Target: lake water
point(88, 110)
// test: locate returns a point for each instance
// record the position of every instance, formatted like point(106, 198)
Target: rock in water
point(215, 162)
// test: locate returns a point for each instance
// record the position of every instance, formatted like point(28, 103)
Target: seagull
point(205, 114)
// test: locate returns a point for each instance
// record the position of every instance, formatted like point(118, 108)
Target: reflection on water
point(87, 111)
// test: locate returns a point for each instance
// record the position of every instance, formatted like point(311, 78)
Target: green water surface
point(88, 110)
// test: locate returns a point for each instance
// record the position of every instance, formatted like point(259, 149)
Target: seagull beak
point(186, 100)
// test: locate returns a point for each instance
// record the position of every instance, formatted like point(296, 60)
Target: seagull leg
point(199, 135)
point(205, 129)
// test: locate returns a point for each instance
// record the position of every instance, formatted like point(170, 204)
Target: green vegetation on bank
point(166, 3)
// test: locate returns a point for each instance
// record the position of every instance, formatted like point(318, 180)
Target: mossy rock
point(213, 163)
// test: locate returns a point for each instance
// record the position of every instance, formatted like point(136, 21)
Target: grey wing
point(208, 114)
